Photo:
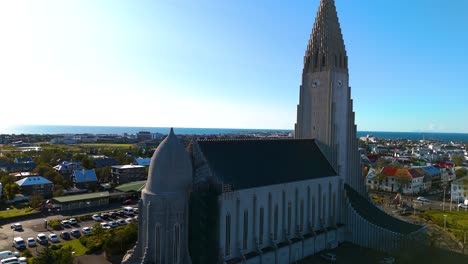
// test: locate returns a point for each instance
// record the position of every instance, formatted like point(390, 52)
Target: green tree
point(461, 173)
point(64, 255)
point(98, 231)
point(35, 200)
point(458, 160)
point(10, 190)
point(45, 256)
point(121, 239)
point(6, 179)
point(103, 174)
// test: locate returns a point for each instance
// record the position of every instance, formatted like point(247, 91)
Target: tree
point(10, 190)
point(121, 239)
point(35, 200)
point(6, 179)
point(461, 173)
point(45, 256)
point(103, 174)
point(458, 160)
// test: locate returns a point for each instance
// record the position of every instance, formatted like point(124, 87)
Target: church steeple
point(326, 49)
point(325, 110)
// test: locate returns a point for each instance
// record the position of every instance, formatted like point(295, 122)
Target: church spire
point(326, 49)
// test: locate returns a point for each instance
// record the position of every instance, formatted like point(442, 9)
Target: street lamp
point(445, 221)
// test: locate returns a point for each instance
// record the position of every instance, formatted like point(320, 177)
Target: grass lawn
point(457, 221)
point(15, 210)
point(109, 145)
point(79, 249)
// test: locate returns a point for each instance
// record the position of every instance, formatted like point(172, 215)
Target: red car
point(127, 202)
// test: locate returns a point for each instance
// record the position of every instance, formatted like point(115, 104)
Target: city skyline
point(226, 64)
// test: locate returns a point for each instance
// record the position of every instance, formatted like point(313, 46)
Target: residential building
point(121, 174)
point(36, 185)
point(459, 189)
point(85, 179)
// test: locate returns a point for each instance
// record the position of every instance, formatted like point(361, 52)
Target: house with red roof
point(403, 180)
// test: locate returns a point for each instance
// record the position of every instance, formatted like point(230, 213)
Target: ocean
point(49, 129)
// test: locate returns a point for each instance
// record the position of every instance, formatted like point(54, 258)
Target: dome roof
point(170, 168)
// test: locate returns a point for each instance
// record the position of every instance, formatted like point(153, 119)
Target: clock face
point(315, 83)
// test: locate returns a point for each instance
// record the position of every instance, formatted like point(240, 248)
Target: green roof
point(131, 186)
point(80, 197)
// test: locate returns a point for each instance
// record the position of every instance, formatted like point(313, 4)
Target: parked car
point(121, 222)
point(97, 217)
point(53, 238)
point(462, 205)
point(86, 230)
point(128, 210)
point(113, 224)
point(105, 225)
point(112, 215)
point(65, 235)
point(105, 216)
point(73, 221)
point(31, 242)
point(18, 243)
point(16, 227)
point(65, 223)
point(127, 202)
point(120, 213)
point(129, 220)
point(41, 238)
point(76, 233)
point(422, 199)
point(329, 257)
point(8, 254)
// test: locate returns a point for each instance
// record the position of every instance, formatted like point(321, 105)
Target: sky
point(227, 64)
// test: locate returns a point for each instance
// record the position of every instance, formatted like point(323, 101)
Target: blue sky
point(230, 64)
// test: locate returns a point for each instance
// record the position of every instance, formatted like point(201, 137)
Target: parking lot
point(31, 228)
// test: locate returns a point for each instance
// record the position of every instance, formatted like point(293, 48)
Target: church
point(270, 200)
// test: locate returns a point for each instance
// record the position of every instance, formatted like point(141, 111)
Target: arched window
point(158, 243)
point(228, 235)
point(246, 230)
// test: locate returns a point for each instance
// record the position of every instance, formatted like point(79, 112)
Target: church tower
point(163, 217)
point(325, 109)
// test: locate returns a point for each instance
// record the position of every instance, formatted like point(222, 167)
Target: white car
point(31, 242)
point(73, 221)
point(105, 225)
point(53, 238)
point(41, 238)
point(422, 199)
point(329, 256)
point(65, 223)
point(113, 224)
point(16, 226)
point(86, 230)
point(129, 220)
point(462, 205)
point(96, 217)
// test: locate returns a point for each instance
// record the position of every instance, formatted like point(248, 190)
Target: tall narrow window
point(270, 216)
point(260, 226)
point(313, 212)
point(176, 251)
point(308, 205)
point(324, 61)
point(301, 215)
point(158, 244)
point(289, 218)
point(324, 204)
point(246, 230)
point(228, 235)
point(275, 224)
point(333, 207)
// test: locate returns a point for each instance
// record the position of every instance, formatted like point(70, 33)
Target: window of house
point(228, 234)
point(246, 230)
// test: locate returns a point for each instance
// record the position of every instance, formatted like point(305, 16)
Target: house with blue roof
point(85, 179)
point(36, 185)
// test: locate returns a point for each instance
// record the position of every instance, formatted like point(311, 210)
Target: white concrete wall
point(251, 200)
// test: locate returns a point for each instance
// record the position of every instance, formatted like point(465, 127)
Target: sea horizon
point(120, 130)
